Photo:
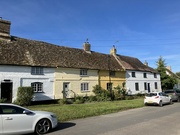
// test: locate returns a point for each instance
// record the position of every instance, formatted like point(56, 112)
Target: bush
point(79, 100)
point(101, 94)
point(3, 100)
point(24, 96)
point(120, 93)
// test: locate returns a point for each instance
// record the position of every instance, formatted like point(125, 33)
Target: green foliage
point(167, 82)
point(101, 94)
point(24, 96)
point(178, 74)
point(3, 100)
point(119, 93)
point(79, 100)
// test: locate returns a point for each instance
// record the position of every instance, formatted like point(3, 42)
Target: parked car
point(174, 93)
point(157, 98)
point(15, 119)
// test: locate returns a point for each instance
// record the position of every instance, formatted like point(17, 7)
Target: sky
point(145, 29)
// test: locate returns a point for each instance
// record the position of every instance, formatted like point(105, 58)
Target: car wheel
point(42, 127)
point(160, 103)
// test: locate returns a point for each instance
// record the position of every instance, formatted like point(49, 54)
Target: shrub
point(79, 100)
point(120, 93)
point(101, 94)
point(24, 96)
point(3, 100)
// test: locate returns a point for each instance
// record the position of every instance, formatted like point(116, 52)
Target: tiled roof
point(21, 51)
point(131, 63)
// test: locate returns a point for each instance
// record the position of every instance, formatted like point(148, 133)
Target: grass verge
point(75, 111)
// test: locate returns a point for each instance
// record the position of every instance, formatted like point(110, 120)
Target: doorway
point(6, 91)
point(65, 90)
point(149, 89)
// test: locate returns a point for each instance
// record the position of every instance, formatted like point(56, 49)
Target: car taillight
point(156, 96)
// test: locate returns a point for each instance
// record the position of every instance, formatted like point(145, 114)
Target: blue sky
point(145, 29)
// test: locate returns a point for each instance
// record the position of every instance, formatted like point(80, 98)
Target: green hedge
point(24, 96)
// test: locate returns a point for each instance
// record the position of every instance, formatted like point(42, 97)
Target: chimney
point(113, 51)
point(146, 63)
point(4, 29)
point(169, 67)
point(87, 46)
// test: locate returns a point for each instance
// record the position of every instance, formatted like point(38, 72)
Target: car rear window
point(151, 94)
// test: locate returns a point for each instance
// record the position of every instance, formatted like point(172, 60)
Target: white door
point(66, 90)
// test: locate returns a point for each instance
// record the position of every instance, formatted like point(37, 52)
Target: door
point(65, 90)
point(6, 91)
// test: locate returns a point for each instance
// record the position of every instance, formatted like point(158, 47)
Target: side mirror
point(27, 112)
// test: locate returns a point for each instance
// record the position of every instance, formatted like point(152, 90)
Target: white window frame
point(37, 70)
point(37, 87)
point(83, 72)
point(84, 86)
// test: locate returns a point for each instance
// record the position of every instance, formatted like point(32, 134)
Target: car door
point(165, 97)
point(14, 121)
point(0, 121)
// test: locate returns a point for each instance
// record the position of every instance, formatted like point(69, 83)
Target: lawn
point(75, 111)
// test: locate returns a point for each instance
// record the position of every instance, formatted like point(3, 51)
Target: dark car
point(174, 93)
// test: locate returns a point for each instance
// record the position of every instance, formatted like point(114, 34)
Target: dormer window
point(37, 70)
point(83, 72)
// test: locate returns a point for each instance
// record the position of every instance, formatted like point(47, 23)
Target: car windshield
point(151, 94)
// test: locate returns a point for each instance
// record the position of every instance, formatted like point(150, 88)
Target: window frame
point(38, 85)
point(83, 72)
point(133, 74)
point(37, 71)
point(112, 73)
point(109, 86)
point(145, 86)
point(137, 86)
point(145, 75)
point(84, 86)
point(155, 85)
point(155, 75)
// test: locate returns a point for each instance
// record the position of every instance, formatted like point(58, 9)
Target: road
point(150, 120)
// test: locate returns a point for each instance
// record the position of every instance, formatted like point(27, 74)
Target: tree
point(178, 74)
point(167, 82)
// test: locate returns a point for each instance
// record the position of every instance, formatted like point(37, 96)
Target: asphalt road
point(150, 120)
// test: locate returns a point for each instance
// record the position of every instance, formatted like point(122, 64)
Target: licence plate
point(150, 101)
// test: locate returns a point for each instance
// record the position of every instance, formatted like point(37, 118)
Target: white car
point(15, 119)
point(157, 98)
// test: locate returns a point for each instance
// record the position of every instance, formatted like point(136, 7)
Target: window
point(145, 75)
point(112, 73)
point(137, 86)
point(109, 86)
point(155, 85)
point(37, 86)
point(37, 71)
point(6, 109)
point(84, 86)
point(83, 72)
point(155, 75)
point(133, 74)
point(145, 86)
